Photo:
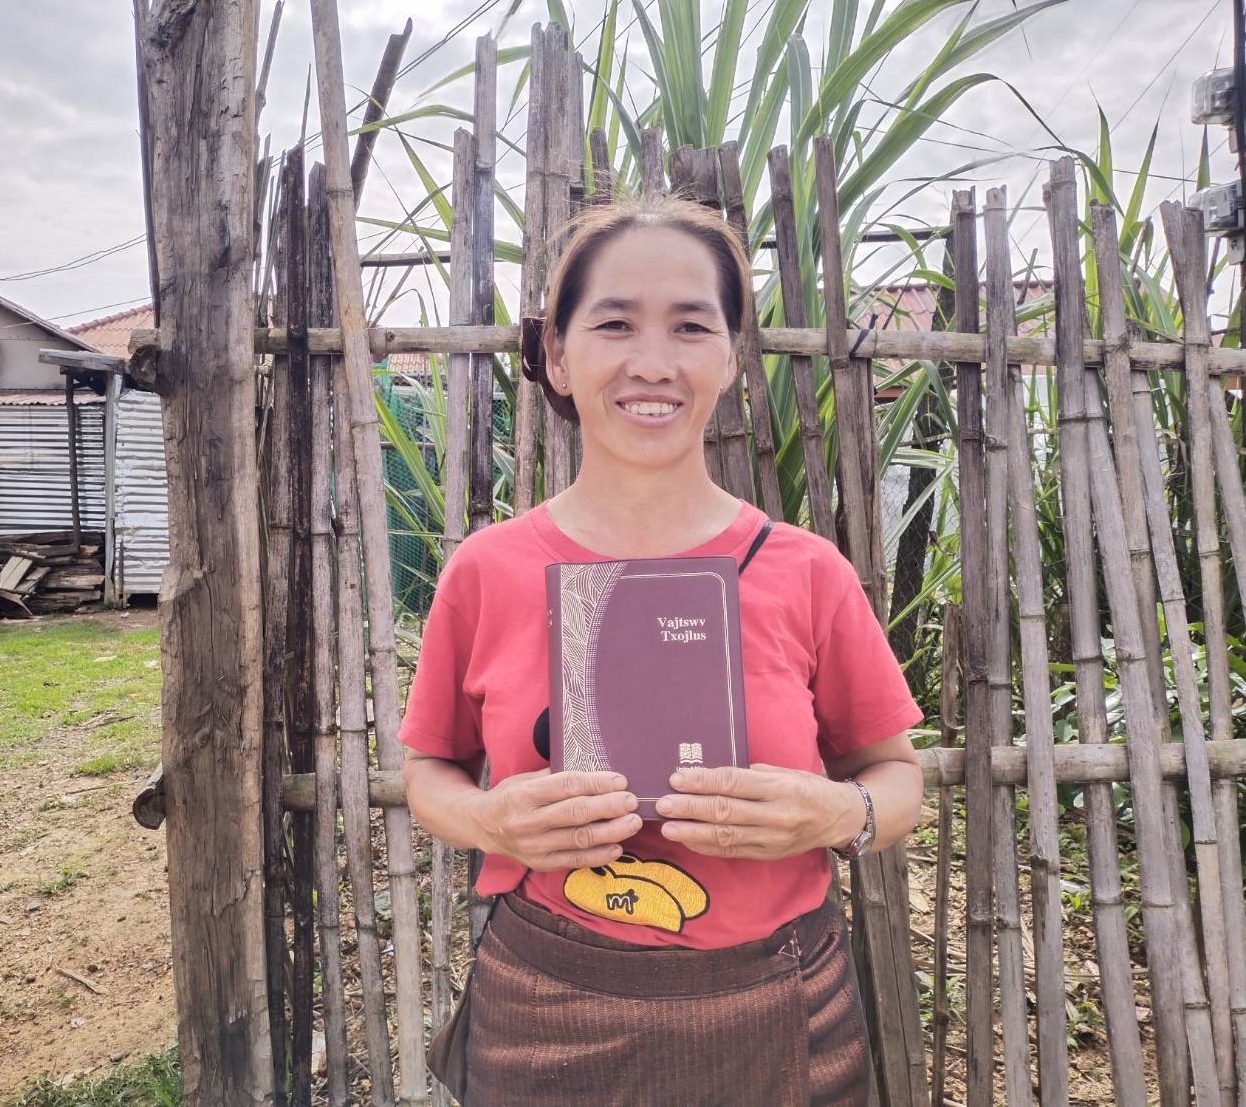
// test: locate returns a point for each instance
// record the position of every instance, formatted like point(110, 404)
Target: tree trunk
point(199, 64)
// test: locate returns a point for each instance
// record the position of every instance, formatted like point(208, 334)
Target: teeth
point(649, 408)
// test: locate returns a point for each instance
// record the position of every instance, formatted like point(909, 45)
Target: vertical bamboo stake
point(1012, 999)
point(979, 809)
point(603, 181)
point(879, 883)
point(651, 172)
point(1005, 379)
point(1137, 462)
point(948, 697)
point(1233, 499)
point(364, 444)
point(817, 480)
point(529, 399)
point(1137, 458)
point(558, 159)
point(480, 485)
point(1184, 230)
point(749, 349)
point(382, 86)
point(480, 477)
point(328, 903)
point(299, 675)
point(276, 598)
point(1078, 456)
point(456, 481)
point(690, 180)
point(353, 728)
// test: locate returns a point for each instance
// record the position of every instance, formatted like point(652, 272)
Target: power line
point(78, 263)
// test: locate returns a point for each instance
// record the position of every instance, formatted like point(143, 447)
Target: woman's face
point(647, 352)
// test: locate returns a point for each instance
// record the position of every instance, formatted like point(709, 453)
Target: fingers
point(566, 785)
point(587, 846)
point(726, 780)
point(582, 810)
point(726, 840)
point(718, 808)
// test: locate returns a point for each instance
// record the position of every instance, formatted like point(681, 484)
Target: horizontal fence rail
point(941, 766)
point(805, 341)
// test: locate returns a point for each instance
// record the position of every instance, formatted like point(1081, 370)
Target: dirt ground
point(85, 975)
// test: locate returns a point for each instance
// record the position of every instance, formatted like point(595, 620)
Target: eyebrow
point(618, 303)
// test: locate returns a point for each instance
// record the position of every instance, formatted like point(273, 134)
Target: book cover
point(645, 669)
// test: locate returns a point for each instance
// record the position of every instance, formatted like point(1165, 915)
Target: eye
point(611, 325)
point(697, 328)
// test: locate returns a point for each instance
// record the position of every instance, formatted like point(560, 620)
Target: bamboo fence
point(330, 678)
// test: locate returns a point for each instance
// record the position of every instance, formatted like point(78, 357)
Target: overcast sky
point(69, 177)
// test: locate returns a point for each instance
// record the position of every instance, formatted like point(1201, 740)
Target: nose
point(654, 357)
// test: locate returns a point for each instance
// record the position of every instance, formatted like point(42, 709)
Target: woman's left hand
point(762, 813)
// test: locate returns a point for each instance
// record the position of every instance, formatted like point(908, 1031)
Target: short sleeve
point(860, 695)
point(442, 718)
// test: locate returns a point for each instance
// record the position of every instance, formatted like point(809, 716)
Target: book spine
point(553, 594)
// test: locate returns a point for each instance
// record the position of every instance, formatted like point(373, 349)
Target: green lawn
point(84, 673)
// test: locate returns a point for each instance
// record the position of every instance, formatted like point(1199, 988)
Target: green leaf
point(722, 77)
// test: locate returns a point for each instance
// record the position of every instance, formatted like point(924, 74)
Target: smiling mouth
point(650, 409)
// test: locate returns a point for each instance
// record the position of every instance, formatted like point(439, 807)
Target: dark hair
point(594, 228)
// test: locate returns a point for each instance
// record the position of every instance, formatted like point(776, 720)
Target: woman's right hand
point(547, 820)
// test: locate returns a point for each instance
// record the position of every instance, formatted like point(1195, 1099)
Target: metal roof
point(44, 397)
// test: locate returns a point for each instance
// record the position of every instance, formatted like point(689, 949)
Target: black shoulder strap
point(761, 537)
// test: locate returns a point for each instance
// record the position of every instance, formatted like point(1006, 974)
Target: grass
point(80, 672)
point(154, 1081)
point(65, 879)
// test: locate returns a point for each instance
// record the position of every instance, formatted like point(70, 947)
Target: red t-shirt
point(819, 679)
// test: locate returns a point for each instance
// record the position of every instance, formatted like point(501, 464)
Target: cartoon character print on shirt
point(630, 889)
point(643, 893)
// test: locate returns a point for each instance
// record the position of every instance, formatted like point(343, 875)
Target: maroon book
point(645, 670)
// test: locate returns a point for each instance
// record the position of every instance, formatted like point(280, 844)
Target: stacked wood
point(47, 572)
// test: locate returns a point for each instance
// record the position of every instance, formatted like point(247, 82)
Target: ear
point(555, 362)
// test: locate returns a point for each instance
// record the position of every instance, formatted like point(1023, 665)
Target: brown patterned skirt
point(563, 1015)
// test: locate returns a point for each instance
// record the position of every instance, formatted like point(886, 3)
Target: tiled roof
point(111, 334)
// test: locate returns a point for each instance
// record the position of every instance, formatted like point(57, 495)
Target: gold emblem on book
point(690, 754)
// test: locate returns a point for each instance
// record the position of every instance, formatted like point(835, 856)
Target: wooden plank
point(328, 899)
point(299, 646)
point(202, 135)
point(979, 809)
point(364, 444)
point(749, 346)
point(276, 462)
point(813, 445)
point(1076, 458)
point(872, 345)
point(13, 572)
point(1004, 380)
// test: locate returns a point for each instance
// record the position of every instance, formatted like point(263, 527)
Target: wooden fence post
point(199, 68)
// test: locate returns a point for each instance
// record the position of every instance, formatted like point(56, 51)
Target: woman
point(700, 959)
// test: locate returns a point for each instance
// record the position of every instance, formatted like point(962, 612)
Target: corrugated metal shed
point(34, 467)
point(141, 521)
